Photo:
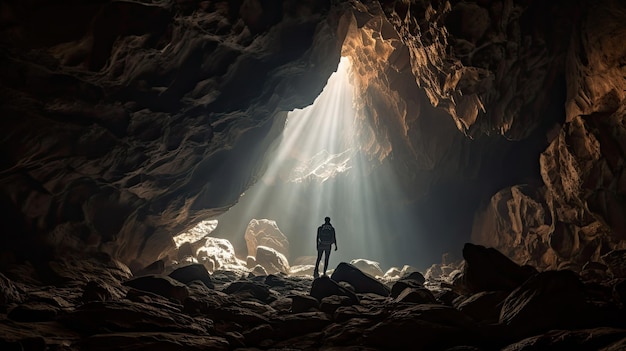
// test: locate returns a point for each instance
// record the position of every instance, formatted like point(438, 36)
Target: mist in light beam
point(317, 170)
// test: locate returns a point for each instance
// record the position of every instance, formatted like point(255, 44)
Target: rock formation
point(126, 123)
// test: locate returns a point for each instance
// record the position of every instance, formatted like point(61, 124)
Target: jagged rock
point(160, 285)
point(366, 266)
point(265, 232)
point(416, 295)
point(325, 286)
point(9, 293)
point(303, 303)
point(616, 261)
point(272, 260)
point(362, 283)
point(187, 274)
point(157, 340)
point(250, 261)
point(548, 300)
point(185, 250)
point(486, 269)
point(246, 290)
point(484, 306)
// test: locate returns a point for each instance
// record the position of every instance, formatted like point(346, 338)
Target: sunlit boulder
point(220, 251)
point(272, 260)
point(370, 267)
point(265, 232)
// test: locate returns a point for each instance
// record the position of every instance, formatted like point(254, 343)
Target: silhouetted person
point(325, 239)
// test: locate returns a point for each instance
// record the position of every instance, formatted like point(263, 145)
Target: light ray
point(317, 170)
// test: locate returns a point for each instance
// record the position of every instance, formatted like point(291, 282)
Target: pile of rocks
point(96, 303)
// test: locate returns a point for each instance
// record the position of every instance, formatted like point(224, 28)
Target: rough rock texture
point(551, 310)
point(265, 232)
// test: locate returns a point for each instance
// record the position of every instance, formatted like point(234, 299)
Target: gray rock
point(160, 285)
point(324, 286)
point(192, 272)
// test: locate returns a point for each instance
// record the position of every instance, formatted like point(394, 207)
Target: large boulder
point(272, 260)
point(192, 272)
point(486, 269)
point(548, 300)
point(160, 285)
point(217, 253)
point(366, 266)
point(324, 286)
point(362, 282)
point(616, 261)
point(265, 232)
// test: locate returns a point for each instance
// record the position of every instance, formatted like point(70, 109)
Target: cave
point(470, 155)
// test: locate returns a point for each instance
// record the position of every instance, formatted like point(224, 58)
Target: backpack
point(326, 234)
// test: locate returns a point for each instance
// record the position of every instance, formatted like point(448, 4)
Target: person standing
point(325, 239)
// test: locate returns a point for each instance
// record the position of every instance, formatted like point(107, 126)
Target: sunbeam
point(317, 170)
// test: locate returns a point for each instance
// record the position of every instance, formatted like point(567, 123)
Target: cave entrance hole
point(318, 170)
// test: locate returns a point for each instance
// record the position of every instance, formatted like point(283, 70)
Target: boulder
point(265, 232)
point(330, 304)
point(366, 266)
point(272, 260)
point(247, 289)
point(392, 273)
point(606, 339)
point(548, 300)
point(304, 303)
point(95, 291)
point(415, 276)
point(362, 282)
point(486, 269)
point(220, 251)
point(33, 312)
point(160, 285)
point(192, 272)
point(325, 286)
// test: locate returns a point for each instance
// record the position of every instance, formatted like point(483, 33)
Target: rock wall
point(577, 215)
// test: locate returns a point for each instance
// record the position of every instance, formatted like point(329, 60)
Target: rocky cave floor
point(95, 303)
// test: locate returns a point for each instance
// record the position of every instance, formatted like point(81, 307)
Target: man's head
point(327, 219)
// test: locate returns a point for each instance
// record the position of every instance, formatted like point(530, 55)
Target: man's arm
point(335, 239)
point(317, 239)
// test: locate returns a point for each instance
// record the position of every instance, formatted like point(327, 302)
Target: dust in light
point(318, 170)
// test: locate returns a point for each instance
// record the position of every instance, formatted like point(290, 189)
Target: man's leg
point(317, 264)
point(326, 257)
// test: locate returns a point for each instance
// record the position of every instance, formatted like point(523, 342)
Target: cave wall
point(129, 121)
point(134, 122)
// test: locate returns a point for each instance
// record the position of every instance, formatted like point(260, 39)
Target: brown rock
point(156, 340)
point(265, 232)
point(192, 272)
point(324, 286)
point(548, 300)
point(161, 285)
point(416, 295)
point(484, 306)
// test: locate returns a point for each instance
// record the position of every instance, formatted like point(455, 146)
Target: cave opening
point(318, 168)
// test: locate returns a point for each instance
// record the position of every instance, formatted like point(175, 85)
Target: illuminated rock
point(221, 252)
point(272, 260)
point(265, 232)
point(366, 266)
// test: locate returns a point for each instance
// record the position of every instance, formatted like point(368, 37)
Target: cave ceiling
point(126, 122)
